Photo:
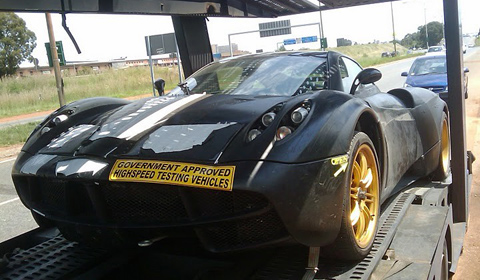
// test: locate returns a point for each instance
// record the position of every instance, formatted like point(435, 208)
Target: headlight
point(299, 114)
point(252, 134)
point(60, 118)
point(263, 122)
point(268, 118)
point(283, 132)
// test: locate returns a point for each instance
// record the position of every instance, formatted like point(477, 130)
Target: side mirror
point(466, 70)
point(366, 76)
point(404, 74)
point(160, 86)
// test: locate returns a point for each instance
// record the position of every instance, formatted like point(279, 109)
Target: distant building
point(224, 51)
point(87, 67)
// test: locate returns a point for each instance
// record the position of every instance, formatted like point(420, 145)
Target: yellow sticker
point(339, 160)
point(173, 173)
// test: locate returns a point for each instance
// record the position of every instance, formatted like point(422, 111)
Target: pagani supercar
point(252, 151)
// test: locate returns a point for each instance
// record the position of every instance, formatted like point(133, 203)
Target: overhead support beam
point(193, 42)
point(336, 4)
point(201, 8)
point(456, 103)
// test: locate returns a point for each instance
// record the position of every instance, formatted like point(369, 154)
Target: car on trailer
point(249, 152)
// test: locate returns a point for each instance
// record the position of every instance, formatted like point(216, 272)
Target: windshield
point(283, 75)
point(436, 65)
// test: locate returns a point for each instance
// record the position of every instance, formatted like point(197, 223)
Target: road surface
point(14, 217)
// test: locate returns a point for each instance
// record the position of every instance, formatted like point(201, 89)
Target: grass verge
point(16, 134)
point(372, 61)
point(38, 93)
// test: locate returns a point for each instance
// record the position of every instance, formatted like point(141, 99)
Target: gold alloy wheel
point(364, 195)
point(445, 160)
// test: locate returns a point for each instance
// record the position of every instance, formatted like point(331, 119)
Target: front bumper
point(270, 202)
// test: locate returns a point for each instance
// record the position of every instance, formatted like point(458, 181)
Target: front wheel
point(361, 202)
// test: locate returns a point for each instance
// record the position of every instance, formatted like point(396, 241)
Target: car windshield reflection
point(429, 66)
point(264, 75)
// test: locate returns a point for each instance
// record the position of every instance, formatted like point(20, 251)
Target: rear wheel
point(361, 202)
point(443, 168)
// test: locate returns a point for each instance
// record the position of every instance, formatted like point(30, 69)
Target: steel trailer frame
point(443, 205)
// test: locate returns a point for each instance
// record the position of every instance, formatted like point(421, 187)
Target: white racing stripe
point(158, 116)
point(8, 201)
point(260, 163)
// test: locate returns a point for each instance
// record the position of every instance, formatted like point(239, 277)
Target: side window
point(348, 70)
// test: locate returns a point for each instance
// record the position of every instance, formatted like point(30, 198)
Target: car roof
point(428, 57)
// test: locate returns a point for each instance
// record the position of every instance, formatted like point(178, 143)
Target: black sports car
point(251, 151)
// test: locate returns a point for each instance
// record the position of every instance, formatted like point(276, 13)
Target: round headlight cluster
point(266, 120)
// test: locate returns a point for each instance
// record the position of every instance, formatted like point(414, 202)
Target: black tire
point(42, 221)
point(443, 167)
point(347, 246)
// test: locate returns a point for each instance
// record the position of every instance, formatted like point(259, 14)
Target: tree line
point(419, 38)
point(16, 43)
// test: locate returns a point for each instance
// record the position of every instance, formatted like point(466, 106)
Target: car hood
point(426, 81)
point(196, 127)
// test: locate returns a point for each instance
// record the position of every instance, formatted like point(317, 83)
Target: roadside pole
point(150, 62)
point(393, 28)
point(55, 60)
point(320, 27)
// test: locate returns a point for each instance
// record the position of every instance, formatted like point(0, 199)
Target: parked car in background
point(435, 49)
point(430, 72)
point(390, 54)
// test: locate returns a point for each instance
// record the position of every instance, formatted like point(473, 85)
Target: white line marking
point(8, 201)
point(7, 160)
